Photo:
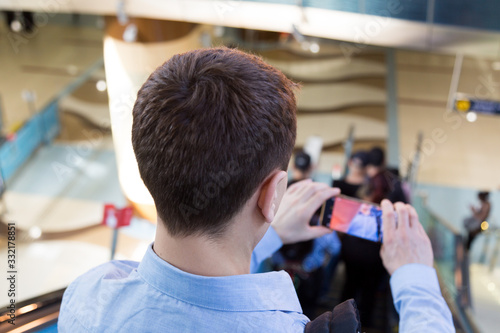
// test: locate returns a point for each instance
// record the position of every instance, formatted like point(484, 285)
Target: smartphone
point(353, 217)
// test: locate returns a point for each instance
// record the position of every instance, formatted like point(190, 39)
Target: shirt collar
point(248, 292)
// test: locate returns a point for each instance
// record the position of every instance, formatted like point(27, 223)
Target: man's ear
point(271, 194)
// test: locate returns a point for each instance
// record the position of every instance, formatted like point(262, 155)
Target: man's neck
point(228, 255)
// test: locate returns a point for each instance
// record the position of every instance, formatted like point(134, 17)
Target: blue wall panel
point(481, 14)
point(414, 10)
point(41, 128)
point(347, 6)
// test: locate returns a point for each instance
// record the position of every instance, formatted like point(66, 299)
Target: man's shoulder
point(109, 271)
point(98, 285)
point(117, 297)
point(114, 269)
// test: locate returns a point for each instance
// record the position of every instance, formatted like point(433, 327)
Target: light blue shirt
point(418, 300)
point(154, 296)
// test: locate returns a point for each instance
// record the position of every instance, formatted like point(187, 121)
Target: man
point(213, 131)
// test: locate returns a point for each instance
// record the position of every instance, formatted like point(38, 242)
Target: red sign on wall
point(116, 218)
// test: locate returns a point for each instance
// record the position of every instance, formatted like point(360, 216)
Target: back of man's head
point(209, 126)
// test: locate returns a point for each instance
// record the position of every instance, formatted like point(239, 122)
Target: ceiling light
point(471, 116)
point(35, 232)
point(16, 25)
point(314, 47)
point(101, 85)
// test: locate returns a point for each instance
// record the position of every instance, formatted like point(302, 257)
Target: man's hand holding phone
point(299, 203)
point(405, 241)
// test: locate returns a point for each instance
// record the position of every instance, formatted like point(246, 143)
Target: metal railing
point(451, 262)
point(490, 251)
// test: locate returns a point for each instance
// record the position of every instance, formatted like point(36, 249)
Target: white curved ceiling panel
point(333, 128)
point(332, 24)
point(329, 69)
point(331, 96)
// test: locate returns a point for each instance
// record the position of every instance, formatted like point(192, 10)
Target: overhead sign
point(464, 104)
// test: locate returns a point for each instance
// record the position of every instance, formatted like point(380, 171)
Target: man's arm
point(407, 256)
point(418, 300)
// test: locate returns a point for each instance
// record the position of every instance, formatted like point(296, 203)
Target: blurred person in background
point(302, 168)
point(479, 214)
point(382, 184)
point(356, 175)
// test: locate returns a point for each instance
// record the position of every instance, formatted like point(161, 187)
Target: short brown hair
point(209, 126)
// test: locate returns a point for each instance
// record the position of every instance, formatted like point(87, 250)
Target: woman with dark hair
point(383, 183)
point(356, 176)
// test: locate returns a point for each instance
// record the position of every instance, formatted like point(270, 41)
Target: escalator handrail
point(453, 229)
point(462, 301)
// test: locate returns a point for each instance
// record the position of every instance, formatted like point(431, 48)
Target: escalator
point(35, 315)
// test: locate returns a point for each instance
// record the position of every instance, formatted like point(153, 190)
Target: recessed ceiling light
point(35, 232)
point(314, 47)
point(16, 26)
point(101, 85)
point(471, 116)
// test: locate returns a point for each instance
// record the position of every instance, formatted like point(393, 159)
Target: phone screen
point(353, 217)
